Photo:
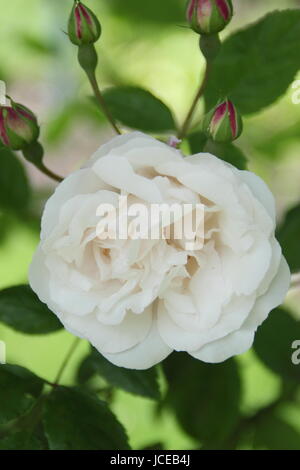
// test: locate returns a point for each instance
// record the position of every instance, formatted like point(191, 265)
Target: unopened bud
point(18, 126)
point(224, 123)
point(84, 27)
point(209, 16)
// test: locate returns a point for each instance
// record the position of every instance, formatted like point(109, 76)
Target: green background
point(143, 44)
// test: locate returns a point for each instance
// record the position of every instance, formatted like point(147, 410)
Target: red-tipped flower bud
point(18, 126)
point(224, 123)
point(209, 16)
point(84, 27)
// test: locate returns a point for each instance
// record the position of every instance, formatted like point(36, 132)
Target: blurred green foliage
point(146, 45)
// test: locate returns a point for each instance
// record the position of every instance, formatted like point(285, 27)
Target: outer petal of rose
point(111, 339)
point(83, 181)
point(273, 269)
point(207, 289)
point(39, 280)
point(241, 340)
point(132, 330)
point(173, 335)
point(130, 146)
point(145, 354)
point(272, 298)
point(233, 344)
point(181, 332)
point(246, 272)
point(260, 191)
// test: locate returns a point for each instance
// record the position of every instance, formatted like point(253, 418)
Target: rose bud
point(84, 27)
point(18, 126)
point(224, 123)
point(209, 16)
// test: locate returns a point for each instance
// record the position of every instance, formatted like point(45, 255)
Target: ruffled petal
point(144, 355)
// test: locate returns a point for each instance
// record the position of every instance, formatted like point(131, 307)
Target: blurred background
point(145, 44)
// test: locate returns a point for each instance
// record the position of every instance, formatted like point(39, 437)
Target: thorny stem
point(186, 124)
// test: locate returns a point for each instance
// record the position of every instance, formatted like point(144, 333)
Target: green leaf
point(21, 309)
point(18, 390)
point(273, 433)
point(14, 186)
point(288, 236)
point(273, 344)
point(257, 64)
point(22, 440)
point(227, 152)
point(205, 397)
point(77, 420)
point(139, 109)
point(138, 382)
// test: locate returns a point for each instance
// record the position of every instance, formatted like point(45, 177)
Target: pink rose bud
point(18, 126)
point(84, 27)
point(209, 16)
point(224, 123)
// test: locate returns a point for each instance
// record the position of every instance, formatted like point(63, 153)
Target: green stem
point(49, 173)
point(66, 361)
point(100, 100)
point(88, 61)
point(34, 153)
point(186, 124)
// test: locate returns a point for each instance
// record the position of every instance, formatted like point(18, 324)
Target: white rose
point(138, 300)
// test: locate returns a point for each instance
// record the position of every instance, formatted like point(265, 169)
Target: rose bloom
point(138, 300)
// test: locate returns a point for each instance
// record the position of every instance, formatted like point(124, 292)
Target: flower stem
point(88, 61)
point(100, 100)
point(34, 153)
point(66, 361)
point(186, 124)
point(49, 173)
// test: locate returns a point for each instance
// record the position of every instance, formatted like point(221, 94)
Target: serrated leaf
point(22, 441)
point(273, 344)
point(14, 186)
point(205, 397)
point(139, 109)
point(288, 236)
point(18, 390)
point(21, 309)
point(138, 382)
point(75, 419)
point(257, 64)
